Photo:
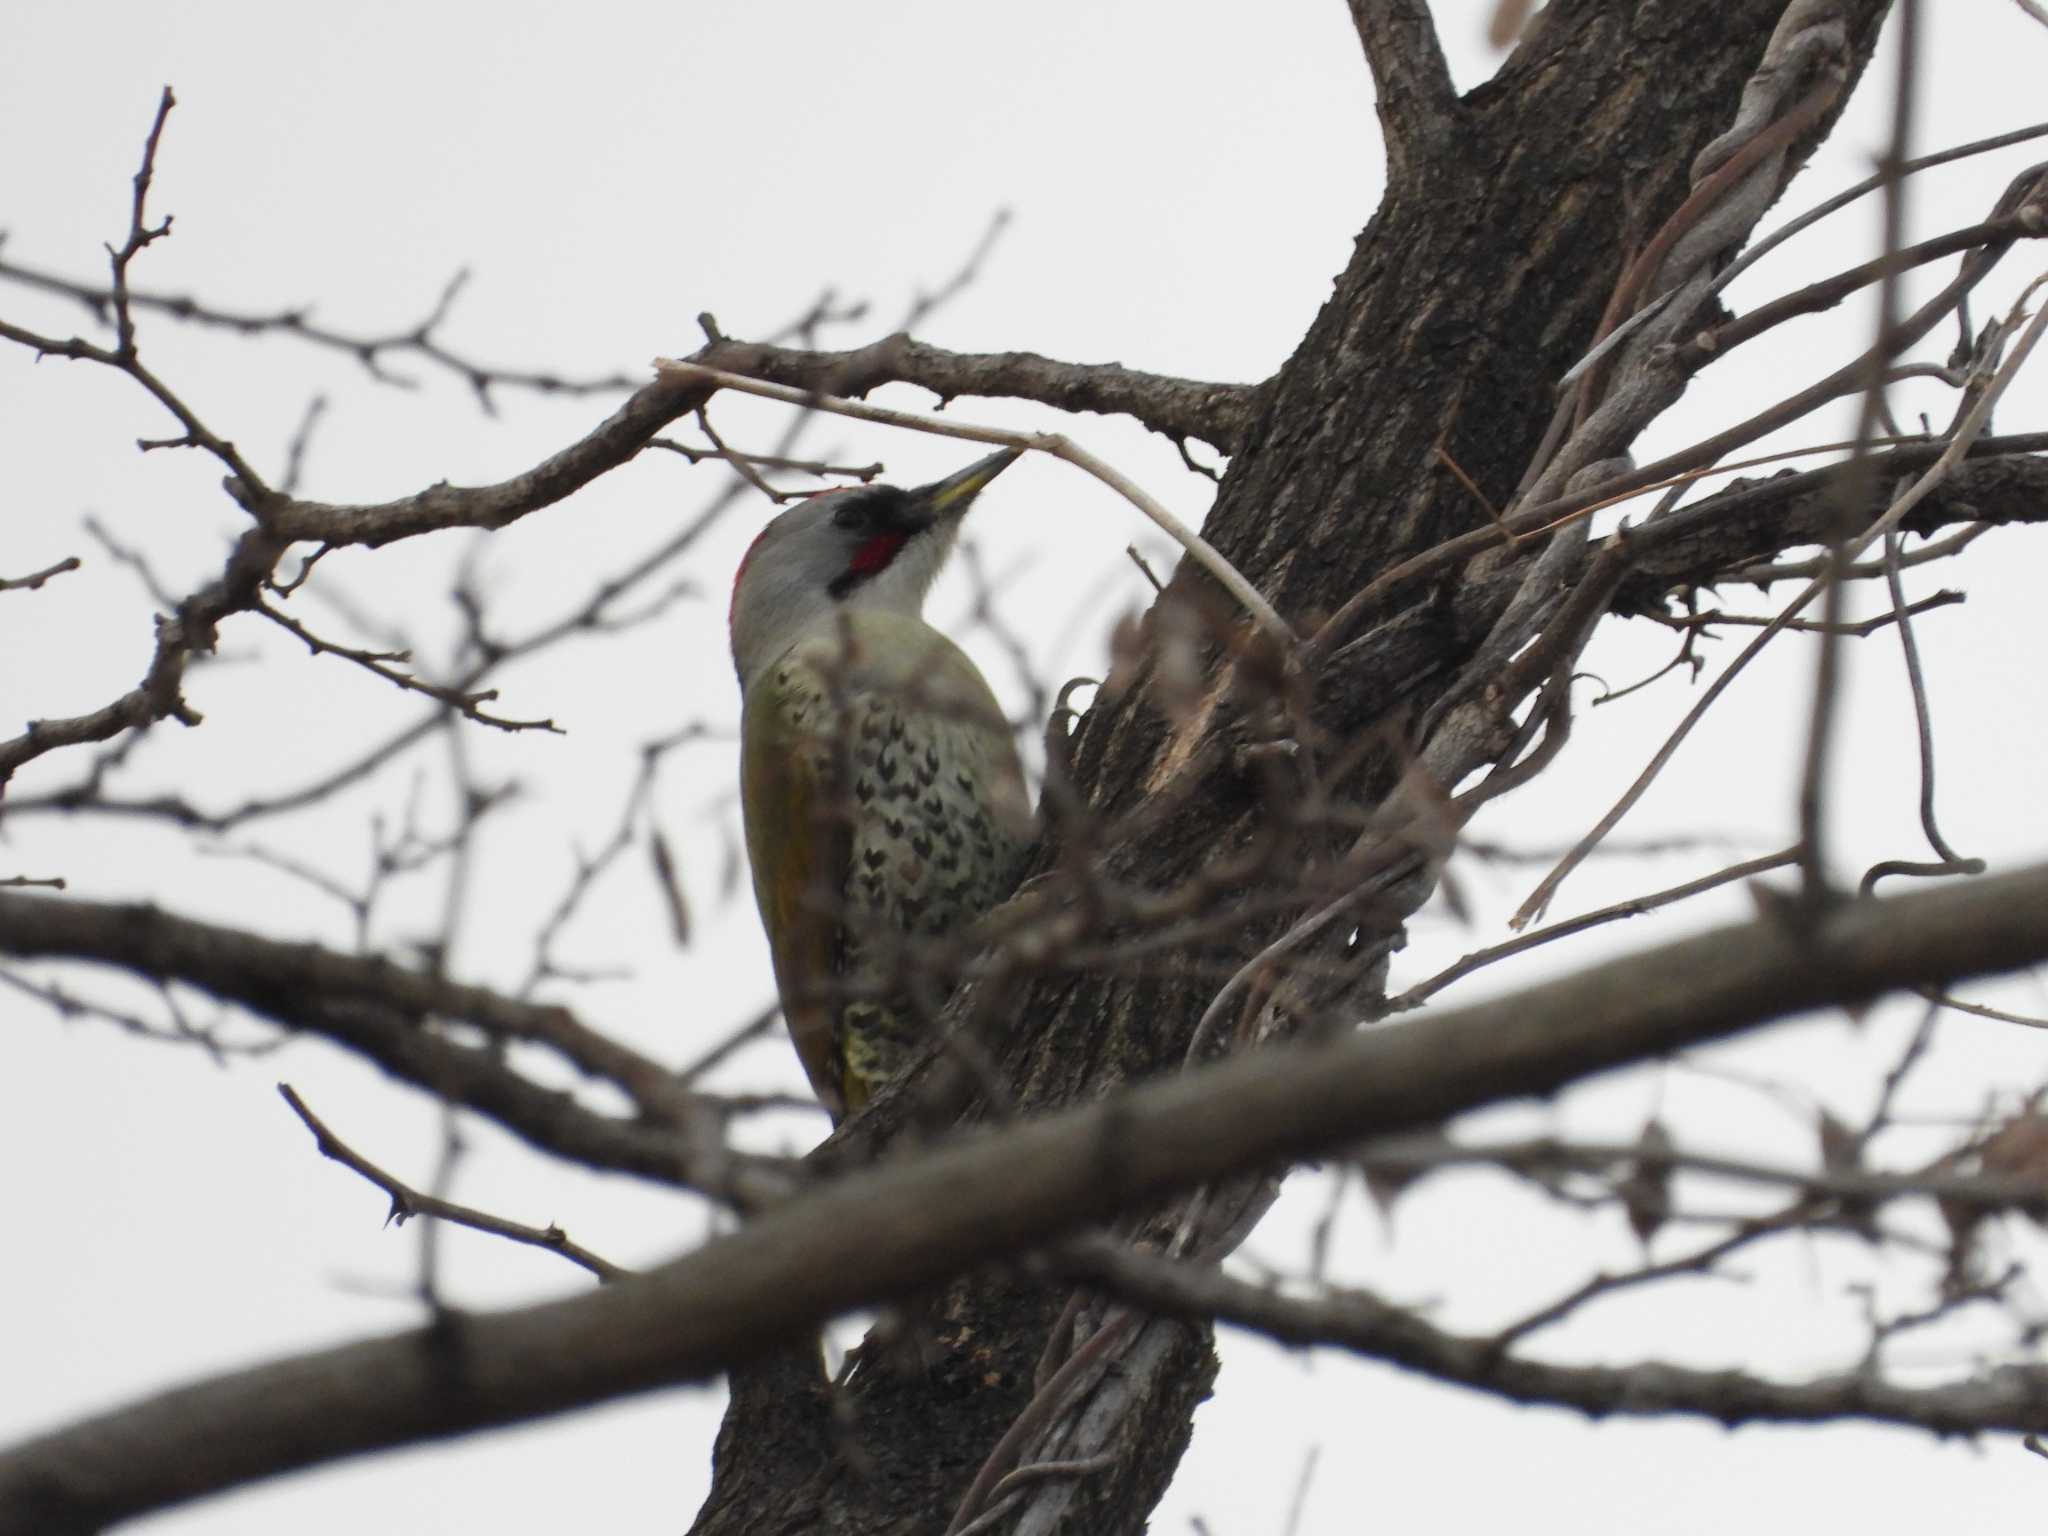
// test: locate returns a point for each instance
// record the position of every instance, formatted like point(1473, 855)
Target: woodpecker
point(880, 788)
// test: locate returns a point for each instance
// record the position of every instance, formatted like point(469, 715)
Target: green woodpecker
point(881, 791)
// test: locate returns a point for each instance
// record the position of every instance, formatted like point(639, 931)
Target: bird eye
point(849, 514)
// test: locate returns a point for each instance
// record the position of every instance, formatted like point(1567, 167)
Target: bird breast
point(914, 759)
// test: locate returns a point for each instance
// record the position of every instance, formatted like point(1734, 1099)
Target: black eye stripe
point(872, 509)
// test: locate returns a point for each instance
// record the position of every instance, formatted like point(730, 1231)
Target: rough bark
point(1478, 282)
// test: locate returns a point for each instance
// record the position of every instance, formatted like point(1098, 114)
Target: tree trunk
point(1481, 279)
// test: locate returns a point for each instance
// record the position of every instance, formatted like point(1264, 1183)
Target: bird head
point(868, 546)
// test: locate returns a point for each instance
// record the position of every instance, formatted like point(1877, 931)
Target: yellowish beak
point(953, 495)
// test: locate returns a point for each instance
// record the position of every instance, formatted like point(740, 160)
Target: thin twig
point(1635, 906)
point(386, 664)
point(1857, 629)
point(1842, 199)
point(1056, 444)
point(1966, 433)
point(1922, 721)
point(407, 1202)
point(1985, 1011)
point(1851, 492)
point(35, 579)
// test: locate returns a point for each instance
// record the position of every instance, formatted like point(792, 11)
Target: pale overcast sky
point(1185, 178)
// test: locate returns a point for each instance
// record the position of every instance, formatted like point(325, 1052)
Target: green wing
point(797, 843)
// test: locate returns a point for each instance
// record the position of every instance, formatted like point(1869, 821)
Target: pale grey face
point(870, 546)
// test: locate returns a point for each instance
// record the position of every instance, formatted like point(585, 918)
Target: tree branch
point(1418, 105)
point(420, 340)
point(407, 1202)
point(1218, 414)
point(608, 445)
point(887, 1231)
point(35, 579)
point(382, 1011)
point(2013, 1398)
point(2003, 480)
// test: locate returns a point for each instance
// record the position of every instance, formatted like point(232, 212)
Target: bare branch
point(178, 1030)
point(888, 1230)
point(690, 373)
point(141, 234)
point(382, 1010)
point(2027, 195)
point(407, 1202)
point(1817, 297)
point(924, 305)
point(1722, 537)
point(1418, 105)
point(1848, 195)
point(611, 443)
point(1923, 726)
point(35, 579)
point(388, 665)
point(1824, 711)
point(1217, 414)
point(371, 351)
point(2014, 1399)
point(1633, 907)
point(1953, 451)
